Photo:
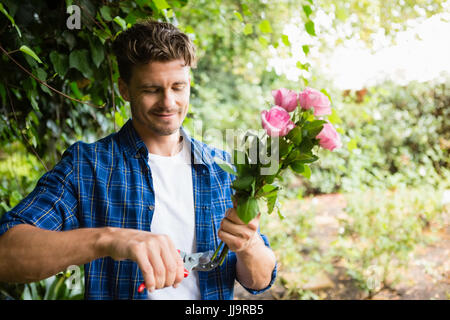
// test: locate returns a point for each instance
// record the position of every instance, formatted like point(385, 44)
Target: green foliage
point(398, 136)
point(368, 17)
point(380, 231)
point(373, 239)
point(62, 286)
point(60, 85)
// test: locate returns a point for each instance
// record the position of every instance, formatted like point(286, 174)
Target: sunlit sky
point(421, 53)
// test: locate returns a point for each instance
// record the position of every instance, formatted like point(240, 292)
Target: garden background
point(372, 222)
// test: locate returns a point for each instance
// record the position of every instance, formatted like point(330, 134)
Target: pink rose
point(329, 138)
point(287, 99)
point(312, 98)
point(276, 121)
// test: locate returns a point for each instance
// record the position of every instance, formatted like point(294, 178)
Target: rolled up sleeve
point(53, 203)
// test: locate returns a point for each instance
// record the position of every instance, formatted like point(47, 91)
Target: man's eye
point(179, 88)
point(151, 91)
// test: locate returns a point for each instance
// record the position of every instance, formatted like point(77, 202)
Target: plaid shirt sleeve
point(52, 205)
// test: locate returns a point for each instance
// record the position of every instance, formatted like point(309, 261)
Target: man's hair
point(149, 41)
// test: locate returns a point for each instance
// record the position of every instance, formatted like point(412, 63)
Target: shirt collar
point(132, 144)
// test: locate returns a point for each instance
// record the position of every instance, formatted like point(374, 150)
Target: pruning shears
point(198, 261)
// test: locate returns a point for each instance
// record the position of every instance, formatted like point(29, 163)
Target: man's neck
point(163, 145)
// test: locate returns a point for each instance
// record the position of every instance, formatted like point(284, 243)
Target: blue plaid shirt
point(109, 183)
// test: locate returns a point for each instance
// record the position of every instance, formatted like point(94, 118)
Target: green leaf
point(306, 146)
point(14, 198)
point(285, 147)
point(97, 52)
point(225, 166)
point(307, 10)
point(297, 166)
point(292, 156)
point(280, 214)
point(314, 127)
point(161, 4)
point(309, 26)
point(60, 63)
point(352, 144)
point(189, 29)
point(239, 16)
point(268, 191)
point(265, 27)
point(264, 42)
point(285, 40)
point(334, 117)
point(74, 87)
point(105, 12)
point(325, 92)
point(247, 209)
point(243, 183)
point(79, 59)
point(53, 291)
point(314, 124)
point(271, 202)
point(306, 158)
point(11, 19)
point(295, 135)
point(119, 119)
point(169, 13)
point(122, 23)
point(307, 172)
point(305, 49)
point(248, 29)
point(30, 52)
point(303, 66)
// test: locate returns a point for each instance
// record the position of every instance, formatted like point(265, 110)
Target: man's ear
point(123, 89)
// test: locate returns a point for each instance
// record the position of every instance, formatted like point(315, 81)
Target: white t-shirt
point(174, 214)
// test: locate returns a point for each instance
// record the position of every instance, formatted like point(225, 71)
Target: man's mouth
point(164, 115)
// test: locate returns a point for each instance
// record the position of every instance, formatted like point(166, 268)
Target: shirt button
point(137, 155)
point(151, 207)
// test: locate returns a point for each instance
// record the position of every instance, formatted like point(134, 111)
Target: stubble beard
point(158, 128)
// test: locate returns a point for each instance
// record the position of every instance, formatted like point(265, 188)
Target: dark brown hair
point(149, 41)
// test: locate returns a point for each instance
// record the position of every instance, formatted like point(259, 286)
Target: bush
point(397, 136)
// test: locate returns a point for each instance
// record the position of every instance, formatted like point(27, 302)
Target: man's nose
point(168, 99)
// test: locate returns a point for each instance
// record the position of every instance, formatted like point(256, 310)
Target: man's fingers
point(234, 229)
point(159, 270)
point(231, 214)
point(147, 271)
point(170, 265)
point(234, 243)
point(180, 274)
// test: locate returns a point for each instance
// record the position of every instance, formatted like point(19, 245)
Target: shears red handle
point(199, 261)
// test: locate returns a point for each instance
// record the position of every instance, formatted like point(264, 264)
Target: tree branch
point(45, 84)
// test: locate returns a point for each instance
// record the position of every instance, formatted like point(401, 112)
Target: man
point(129, 201)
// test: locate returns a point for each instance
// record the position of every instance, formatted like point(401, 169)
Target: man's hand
point(237, 235)
point(255, 261)
point(160, 262)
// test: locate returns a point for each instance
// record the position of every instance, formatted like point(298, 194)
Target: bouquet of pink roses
point(293, 127)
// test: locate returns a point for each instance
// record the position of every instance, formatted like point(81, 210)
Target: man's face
point(158, 93)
